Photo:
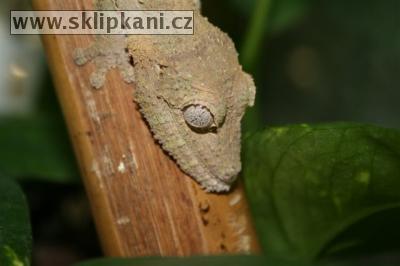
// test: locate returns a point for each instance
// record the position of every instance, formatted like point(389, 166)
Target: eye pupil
point(198, 116)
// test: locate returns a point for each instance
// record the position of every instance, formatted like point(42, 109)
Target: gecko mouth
point(221, 182)
point(218, 173)
point(216, 185)
point(226, 178)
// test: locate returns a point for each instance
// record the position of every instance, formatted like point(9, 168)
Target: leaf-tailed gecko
point(191, 89)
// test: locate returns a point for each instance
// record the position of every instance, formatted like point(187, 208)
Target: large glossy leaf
point(200, 261)
point(308, 184)
point(15, 231)
point(36, 147)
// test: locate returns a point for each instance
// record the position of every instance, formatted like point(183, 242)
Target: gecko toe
point(127, 74)
point(97, 79)
point(83, 55)
point(106, 53)
point(80, 57)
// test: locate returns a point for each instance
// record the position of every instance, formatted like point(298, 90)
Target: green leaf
point(308, 184)
point(36, 147)
point(198, 261)
point(285, 14)
point(15, 231)
point(255, 34)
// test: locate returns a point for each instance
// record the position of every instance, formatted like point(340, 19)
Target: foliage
point(307, 184)
point(15, 231)
point(36, 147)
point(200, 261)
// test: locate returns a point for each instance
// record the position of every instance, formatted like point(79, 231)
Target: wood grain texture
point(141, 202)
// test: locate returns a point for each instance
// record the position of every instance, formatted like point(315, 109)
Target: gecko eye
point(198, 117)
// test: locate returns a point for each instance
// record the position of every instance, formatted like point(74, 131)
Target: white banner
point(102, 22)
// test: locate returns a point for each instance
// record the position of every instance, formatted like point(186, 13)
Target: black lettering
point(149, 22)
point(86, 21)
point(54, 23)
point(73, 21)
point(37, 23)
point(20, 23)
point(188, 25)
point(161, 21)
point(112, 24)
point(137, 23)
point(125, 21)
point(174, 24)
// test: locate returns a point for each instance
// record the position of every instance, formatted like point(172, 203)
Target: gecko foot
point(106, 53)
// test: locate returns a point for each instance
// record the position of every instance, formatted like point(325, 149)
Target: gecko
point(191, 89)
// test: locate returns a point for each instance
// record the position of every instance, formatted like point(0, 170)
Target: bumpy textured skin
point(174, 72)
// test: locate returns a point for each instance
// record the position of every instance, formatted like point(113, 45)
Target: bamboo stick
point(142, 204)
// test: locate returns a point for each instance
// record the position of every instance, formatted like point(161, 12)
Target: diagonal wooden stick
point(143, 205)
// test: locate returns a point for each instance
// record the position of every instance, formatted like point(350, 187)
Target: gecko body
point(191, 89)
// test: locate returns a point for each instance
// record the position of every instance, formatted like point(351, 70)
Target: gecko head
point(194, 99)
point(213, 128)
point(199, 125)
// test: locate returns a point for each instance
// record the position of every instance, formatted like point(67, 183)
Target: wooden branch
point(141, 202)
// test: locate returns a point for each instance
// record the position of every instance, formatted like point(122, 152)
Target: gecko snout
point(229, 175)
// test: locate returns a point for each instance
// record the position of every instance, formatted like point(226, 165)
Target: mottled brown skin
point(174, 72)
